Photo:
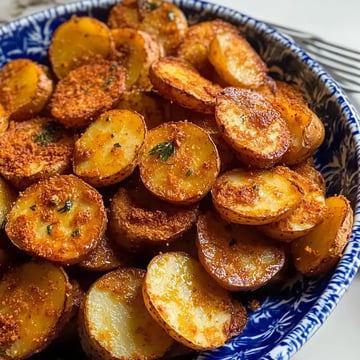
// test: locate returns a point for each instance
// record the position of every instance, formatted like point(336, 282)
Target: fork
point(342, 62)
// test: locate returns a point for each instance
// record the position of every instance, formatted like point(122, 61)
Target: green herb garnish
point(66, 207)
point(52, 132)
point(171, 15)
point(255, 187)
point(49, 229)
point(189, 172)
point(33, 207)
point(152, 5)
point(75, 233)
point(163, 150)
point(108, 81)
point(117, 145)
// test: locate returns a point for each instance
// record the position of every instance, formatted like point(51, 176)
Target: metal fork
point(341, 62)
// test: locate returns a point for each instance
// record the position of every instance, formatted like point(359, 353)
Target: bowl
point(288, 318)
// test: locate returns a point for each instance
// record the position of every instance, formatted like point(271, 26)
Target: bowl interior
point(289, 315)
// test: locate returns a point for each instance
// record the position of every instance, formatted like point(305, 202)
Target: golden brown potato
point(78, 41)
point(36, 302)
point(179, 162)
point(4, 119)
point(138, 219)
point(114, 322)
point(124, 14)
point(178, 81)
point(238, 257)
point(189, 304)
point(307, 214)
point(107, 151)
point(195, 46)
point(254, 197)
point(34, 149)
point(86, 92)
point(136, 51)
point(237, 63)
point(252, 127)
point(61, 219)
point(24, 89)
point(318, 252)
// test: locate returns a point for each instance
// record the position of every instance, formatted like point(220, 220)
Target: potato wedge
point(189, 304)
point(114, 322)
point(78, 41)
point(24, 88)
point(195, 46)
point(124, 14)
point(107, 151)
point(61, 219)
point(137, 50)
point(86, 92)
point(302, 219)
point(138, 219)
point(252, 127)
point(254, 197)
point(179, 162)
point(316, 253)
point(178, 81)
point(165, 22)
point(238, 257)
point(34, 149)
point(237, 63)
point(36, 302)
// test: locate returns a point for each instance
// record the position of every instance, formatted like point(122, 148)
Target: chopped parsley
point(151, 5)
point(75, 233)
point(189, 172)
point(33, 207)
point(163, 150)
point(66, 207)
point(49, 229)
point(117, 145)
point(52, 132)
point(255, 187)
point(108, 81)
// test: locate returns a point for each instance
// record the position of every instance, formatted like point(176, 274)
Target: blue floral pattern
point(287, 318)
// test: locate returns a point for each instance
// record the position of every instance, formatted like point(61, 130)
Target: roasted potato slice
point(195, 46)
point(107, 151)
point(86, 92)
point(61, 219)
point(137, 50)
point(252, 126)
point(306, 129)
point(124, 14)
point(317, 252)
point(308, 213)
point(179, 162)
point(34, 149)
point(254, 197)
point(138, 219)
point(178, 81)
point(238, 257)
point(189, 304)
point(114, 322)
point(36, 302)
point(237, 63)
point(78, 41)
point(25, 89)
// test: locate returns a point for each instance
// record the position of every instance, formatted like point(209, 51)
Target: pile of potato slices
point(150, 176)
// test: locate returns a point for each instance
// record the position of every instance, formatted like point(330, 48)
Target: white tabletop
point(336, 21)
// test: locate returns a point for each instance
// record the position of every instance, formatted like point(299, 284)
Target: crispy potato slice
point(4, 119)
point(114, 322)
point(238, 257)
point(36, 302)
point(78, 41)
point(318, 252)
point(236, 61)
point(138, 219)
point(86, 92)
point(189, 304)
point(178, 81)
point(254, 197)
point(251, 126)
point(165, 22)
point(307, 131)
point(179, 162)
point(107, 151)
point(137, 50)
point(7, 197)
point(24, 88)
point(60, 219)
point(195, 46)
point(302, 219)
point(34, 149)
point(124, 14)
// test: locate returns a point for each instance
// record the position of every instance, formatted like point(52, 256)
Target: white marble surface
point(336, 21)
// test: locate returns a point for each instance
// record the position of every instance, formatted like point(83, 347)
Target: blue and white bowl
point(287, 319)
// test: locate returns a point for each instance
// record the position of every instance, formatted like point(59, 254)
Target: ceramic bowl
point(288, 318)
